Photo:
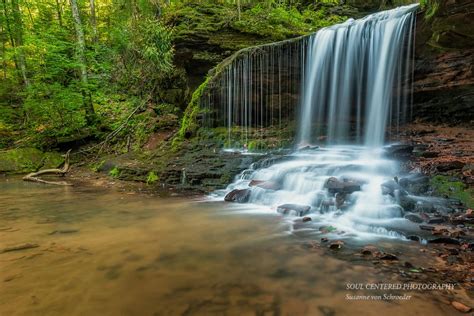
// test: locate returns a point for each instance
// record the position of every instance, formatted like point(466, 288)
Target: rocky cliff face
point(444, 58)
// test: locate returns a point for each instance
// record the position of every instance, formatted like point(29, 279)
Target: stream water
point(102, 252)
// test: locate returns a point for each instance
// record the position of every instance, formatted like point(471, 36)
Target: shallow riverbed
point(102, 252)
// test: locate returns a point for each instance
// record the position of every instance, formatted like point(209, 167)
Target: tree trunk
point(238, 8)
point(10, 33)
point(81, 48)
point(93, 21)
point(4, 58)
point(59, 13)
point(18, 37)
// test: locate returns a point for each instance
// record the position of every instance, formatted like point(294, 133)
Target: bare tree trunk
point(4, 49)
point(93, 21)
point(18, 36)
point(81, 49)
point(239, 9)
point(4, 60)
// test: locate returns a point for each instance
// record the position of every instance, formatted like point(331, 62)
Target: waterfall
point(347, 83)
point(354, 85)
point(354, 77)
point(255, 93)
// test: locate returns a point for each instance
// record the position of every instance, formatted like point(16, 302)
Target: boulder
point(24, 160)
point(293, 209)
point(369, 250)
point(267, 185)
point(239, 196)
point(399, 151)
point(336, 245)
point(334, 185)
point(415, 218)
point(392, 188)
point(417, 183)
point(408, 203)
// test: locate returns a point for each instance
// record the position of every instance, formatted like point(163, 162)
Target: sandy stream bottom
point(109, 253)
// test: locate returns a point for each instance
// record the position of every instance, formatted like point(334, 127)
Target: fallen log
point(34, 176)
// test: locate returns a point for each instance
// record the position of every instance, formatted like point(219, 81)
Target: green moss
point(20, 160)
point(453, 189)
point(430, 7)
point(52, 160)
point(151, 178)
point(189, 125)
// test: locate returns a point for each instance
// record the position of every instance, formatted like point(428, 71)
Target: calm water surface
point(111, 253)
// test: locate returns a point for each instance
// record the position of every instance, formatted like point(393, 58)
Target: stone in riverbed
point(399, 151)
point(393, 188)
point(445, 240)
point(267, 185)
point(387, 256)
point(436, 220)
point(369, 250)
point(335, 245)
point(334, 185)
point(293, 209)
point(427, 227)
point(415, 218)
point(416, 183)
point(239, 196)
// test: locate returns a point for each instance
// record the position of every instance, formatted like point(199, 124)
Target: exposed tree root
point(34, 176)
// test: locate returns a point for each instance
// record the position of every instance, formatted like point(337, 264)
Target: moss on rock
point(452, 188)
point(20, 160)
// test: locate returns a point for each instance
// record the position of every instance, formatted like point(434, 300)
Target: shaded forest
point(75, 70)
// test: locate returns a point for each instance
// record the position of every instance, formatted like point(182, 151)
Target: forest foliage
point(77, 68)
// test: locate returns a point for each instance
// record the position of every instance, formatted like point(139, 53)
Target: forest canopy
point(78, 68)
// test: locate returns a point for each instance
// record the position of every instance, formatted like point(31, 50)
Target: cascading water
point(354, 76)
point(354, 84)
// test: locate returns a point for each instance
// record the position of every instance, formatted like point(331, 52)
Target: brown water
point(111, 253)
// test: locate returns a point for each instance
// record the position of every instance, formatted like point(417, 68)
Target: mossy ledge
point(189, 124)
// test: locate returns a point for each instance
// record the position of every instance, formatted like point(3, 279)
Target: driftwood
point(33, 177)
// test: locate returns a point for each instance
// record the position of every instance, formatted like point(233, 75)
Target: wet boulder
point(408, 203)
point(392, 188)
point(399, 151)
point(293, 209)
point(425, 207)
point(267, 185)
point(415, 218)
point(369, 250)
point(417, 184)
point(334, 185)
point(239, 196)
